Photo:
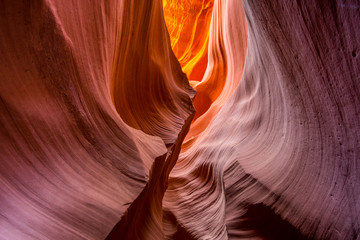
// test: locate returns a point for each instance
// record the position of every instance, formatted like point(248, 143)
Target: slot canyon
point(180, 119)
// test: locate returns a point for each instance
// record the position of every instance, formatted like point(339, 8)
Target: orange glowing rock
point(218, 81)
point(198, 42)
point(188, 23)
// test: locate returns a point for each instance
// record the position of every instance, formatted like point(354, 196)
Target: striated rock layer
point(95, 108)
point(91, 95)
point(285, 146)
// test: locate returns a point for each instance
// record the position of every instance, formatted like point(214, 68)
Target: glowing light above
point(188, 23)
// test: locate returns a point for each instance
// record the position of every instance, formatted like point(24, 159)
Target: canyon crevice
point(194, 119)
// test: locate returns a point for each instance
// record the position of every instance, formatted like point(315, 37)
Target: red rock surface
point(95, 108)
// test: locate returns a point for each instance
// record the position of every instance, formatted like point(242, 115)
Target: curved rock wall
point(95, 108)
point(72, 161)
point(287, 141)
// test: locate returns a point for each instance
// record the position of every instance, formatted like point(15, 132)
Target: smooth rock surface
point(288, 138)
point(95, 108)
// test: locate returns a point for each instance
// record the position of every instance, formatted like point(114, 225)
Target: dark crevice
point(269, 225)
point(140, 221)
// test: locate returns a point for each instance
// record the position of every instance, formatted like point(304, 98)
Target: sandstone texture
point(194, 119)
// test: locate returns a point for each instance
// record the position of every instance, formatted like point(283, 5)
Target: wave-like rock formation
point(95, 109)
point(91, 98)
point(288, 138)
point(226, 59)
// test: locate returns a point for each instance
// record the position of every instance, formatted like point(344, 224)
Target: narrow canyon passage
point(169, 119)
point(198, 40)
